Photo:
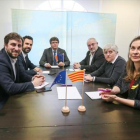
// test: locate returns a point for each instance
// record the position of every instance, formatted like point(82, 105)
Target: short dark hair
point(12, 36)
point(54, 39)
point(28, 37)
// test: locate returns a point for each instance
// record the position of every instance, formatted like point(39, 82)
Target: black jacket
point(97, 61)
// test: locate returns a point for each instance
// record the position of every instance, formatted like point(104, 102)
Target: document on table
point(45, 72)
point(72, 93)
point(94, 94)
point(43, 85)
point(54, 67)
point(74, 69)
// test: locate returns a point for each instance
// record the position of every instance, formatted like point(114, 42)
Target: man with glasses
point(112, 68)
point(94, 57)
point(54, 55)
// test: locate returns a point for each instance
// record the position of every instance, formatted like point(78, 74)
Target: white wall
point(128, 17)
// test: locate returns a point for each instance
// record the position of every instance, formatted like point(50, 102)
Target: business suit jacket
point(47, 57)
point(26, 65)
point(109, 73)
point(8, 84)
point(97, 61)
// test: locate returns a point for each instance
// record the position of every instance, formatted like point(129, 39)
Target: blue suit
point(8, 84)
point(26, 65)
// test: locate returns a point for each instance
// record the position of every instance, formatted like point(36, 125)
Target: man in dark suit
point(94, 57)
point(12, 79)
point(111, 69)
point(54, 55)
point(25, 63)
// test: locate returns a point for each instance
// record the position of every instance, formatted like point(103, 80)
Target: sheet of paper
point(45, 72)
point(43, 85)
point(71, 69)
point(77, 69)
point(94, 94)
point(54, 67)
point(72, 93)
point(74, 69)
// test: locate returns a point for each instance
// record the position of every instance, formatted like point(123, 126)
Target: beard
point(92, 51)
point(26, 50)
point(12, 55)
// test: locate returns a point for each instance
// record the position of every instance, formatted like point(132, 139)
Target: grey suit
point(47, 57)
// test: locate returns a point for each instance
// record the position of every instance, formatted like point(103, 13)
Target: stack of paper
point(72, 93)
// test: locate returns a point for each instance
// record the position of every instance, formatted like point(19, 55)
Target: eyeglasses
point(54, 42)
point(110, 52)
point(91, 44)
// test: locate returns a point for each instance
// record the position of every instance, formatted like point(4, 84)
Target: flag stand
point(82, 108)
point(66, 109)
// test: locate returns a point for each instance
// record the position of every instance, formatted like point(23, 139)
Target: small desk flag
point(60, 78)
point(76, 76)
point(60, 57)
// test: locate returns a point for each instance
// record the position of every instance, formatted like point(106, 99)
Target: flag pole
point(82, 108)
point(63, 63)
point(66, 109)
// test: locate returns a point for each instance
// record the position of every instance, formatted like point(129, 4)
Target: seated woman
point(111, 69)
point(129, 80)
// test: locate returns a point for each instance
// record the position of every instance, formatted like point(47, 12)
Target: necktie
point(26, 61)
point(54, 60)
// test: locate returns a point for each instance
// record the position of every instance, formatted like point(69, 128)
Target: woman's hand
point(108, 98)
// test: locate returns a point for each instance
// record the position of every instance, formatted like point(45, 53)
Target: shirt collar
point(24, 54)
point(54, 50)
point(114, 59)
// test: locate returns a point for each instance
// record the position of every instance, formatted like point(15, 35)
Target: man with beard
point(25, 63)
point(94, 57)
point(12, 79)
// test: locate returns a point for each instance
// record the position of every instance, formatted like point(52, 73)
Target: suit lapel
point(88, 59)
point(51, 56)
point(24, 63)
point(10, 65)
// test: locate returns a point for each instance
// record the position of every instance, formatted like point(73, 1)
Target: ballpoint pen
point(105, 90)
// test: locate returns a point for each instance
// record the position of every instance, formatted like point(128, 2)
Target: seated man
point(112, 68)
point(54, 55)
point(25, 63)
point(94, 57)
point(13, 80)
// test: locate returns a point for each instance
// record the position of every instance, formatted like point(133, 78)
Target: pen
point(105, 90)
point(65, 85)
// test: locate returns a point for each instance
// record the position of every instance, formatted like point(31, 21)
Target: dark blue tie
point(26, 59)
point(54, 60)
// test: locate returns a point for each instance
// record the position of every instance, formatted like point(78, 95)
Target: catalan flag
point(76, 76)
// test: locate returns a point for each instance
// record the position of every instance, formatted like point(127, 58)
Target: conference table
point(38, 116)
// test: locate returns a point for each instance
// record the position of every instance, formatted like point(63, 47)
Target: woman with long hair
point(129, 82)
